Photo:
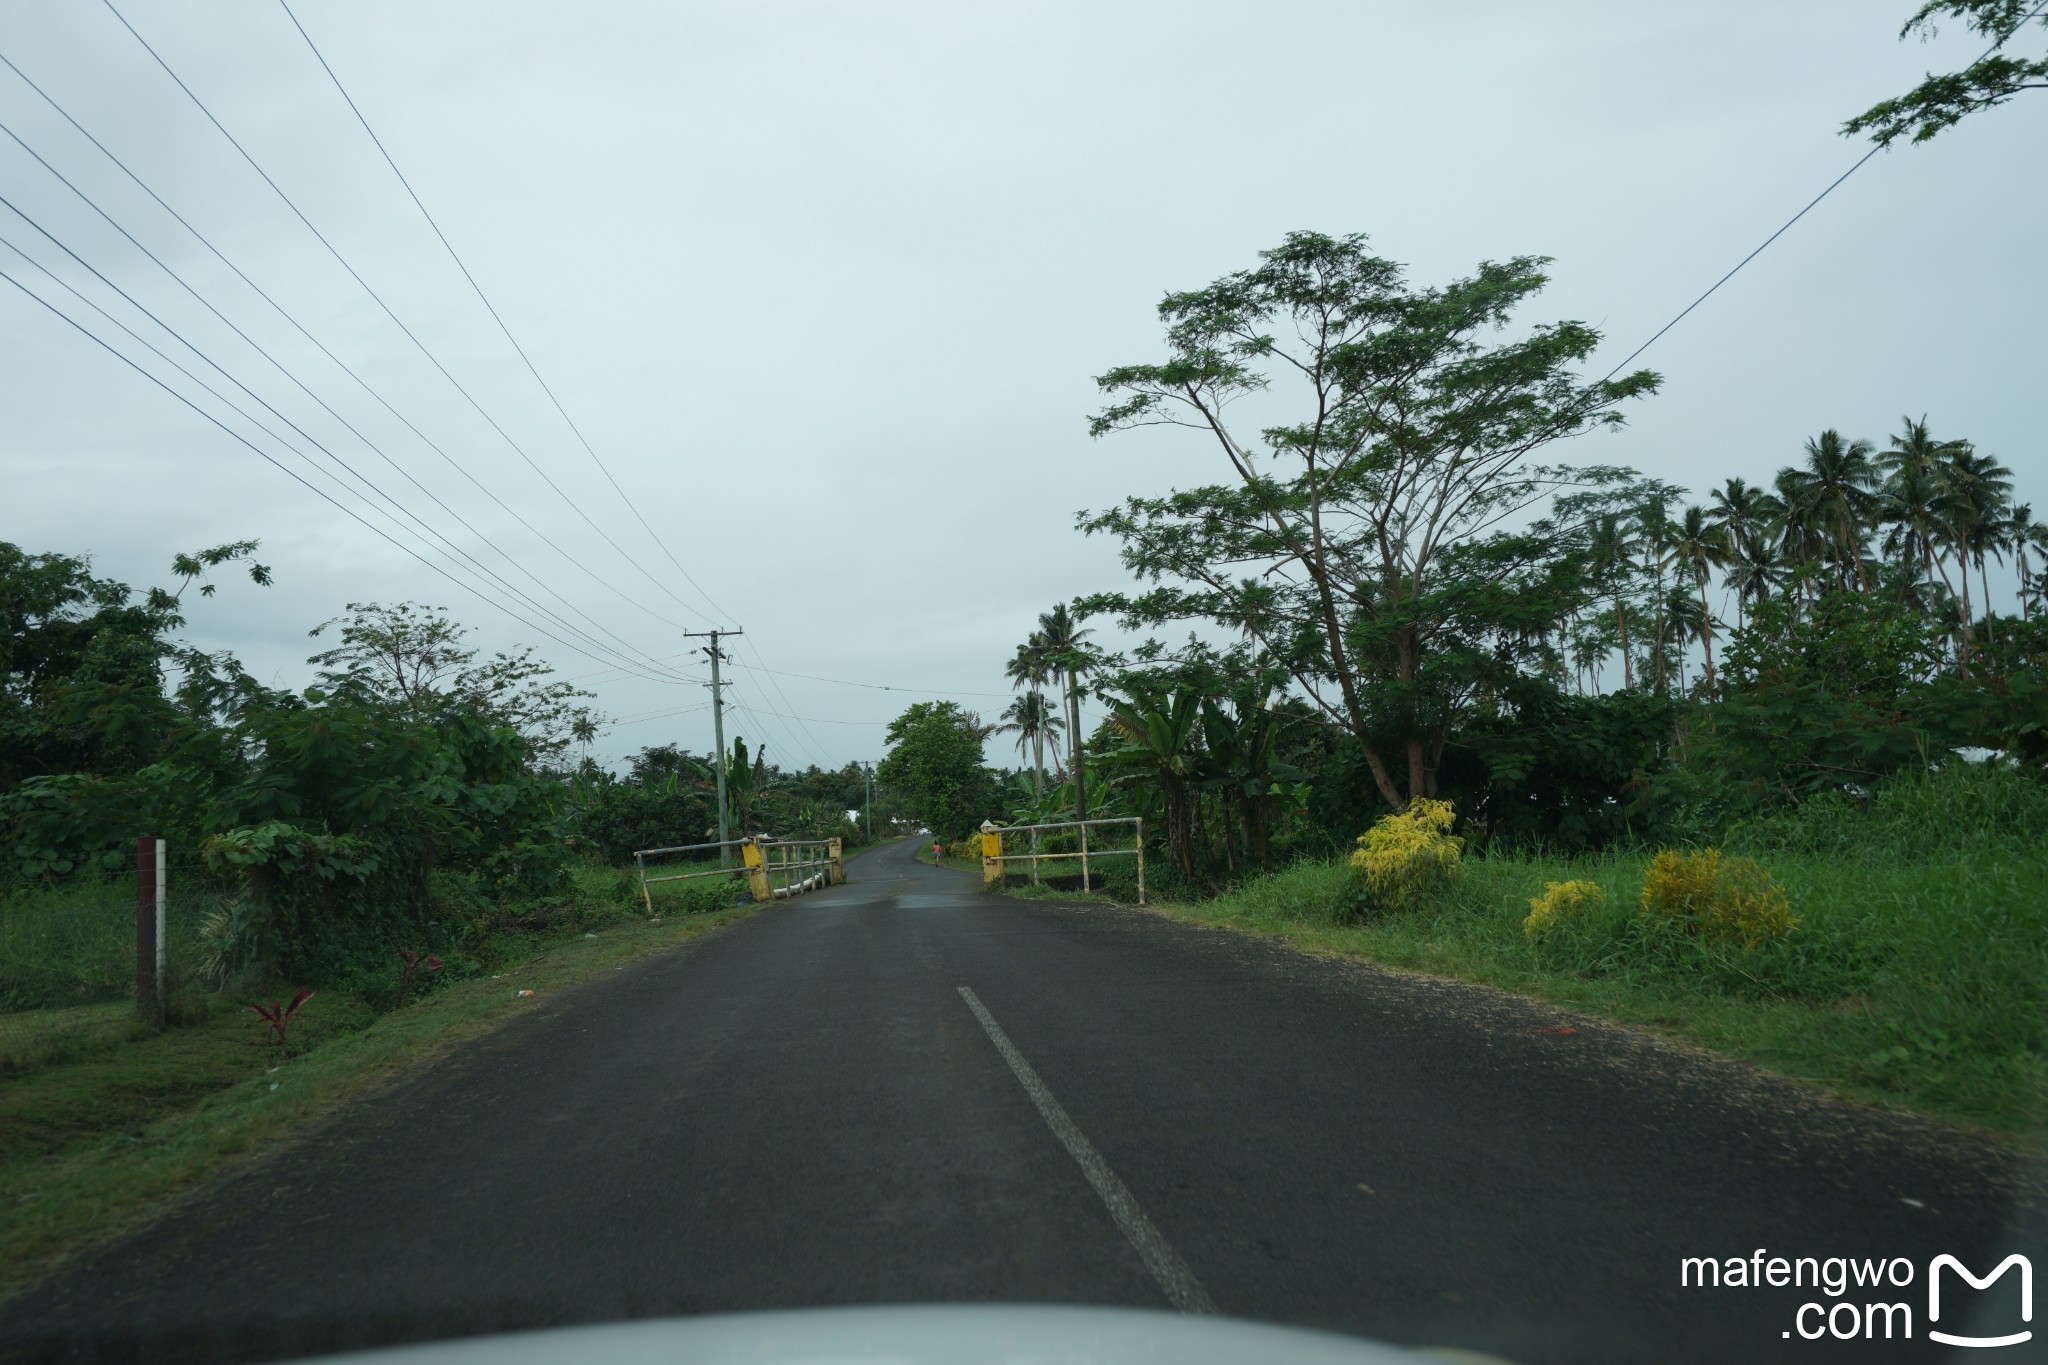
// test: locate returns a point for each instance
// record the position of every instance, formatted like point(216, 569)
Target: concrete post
point(991, 853)
point(757, 871)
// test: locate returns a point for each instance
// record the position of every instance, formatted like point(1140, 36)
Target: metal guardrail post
point(1085, 887)
point(1141, 859)
point(640, 861)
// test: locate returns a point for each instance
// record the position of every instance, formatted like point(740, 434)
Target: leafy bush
point(1562, 901)
point(1408, 856)
point(1716, 898)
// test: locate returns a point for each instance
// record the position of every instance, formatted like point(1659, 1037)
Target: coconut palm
point(1801, 525)
point(1030, 718)
point(1610, 553)
point(1842, 479)
point(1699, 548)
point(2024, 537)
point(1979, 489)
point(1069, 656)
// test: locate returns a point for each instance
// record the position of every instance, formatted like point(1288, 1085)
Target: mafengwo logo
point(1881, 1312)
point(2026, 1269)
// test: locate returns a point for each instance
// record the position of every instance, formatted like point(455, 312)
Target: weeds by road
point(1917, 978)
point(98, 1136)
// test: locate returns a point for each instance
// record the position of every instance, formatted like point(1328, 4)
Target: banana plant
point(1161, 730)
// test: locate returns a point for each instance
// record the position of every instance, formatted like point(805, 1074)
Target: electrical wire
point(244, 413)
point(2031, 14)
point(879, 687)
point(268, 458)
point(527, 360)
point(282, 312)
point(492, 309)
point(388, 312)
point(626, 652)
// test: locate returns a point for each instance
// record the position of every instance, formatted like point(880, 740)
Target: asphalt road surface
point(902, 1090)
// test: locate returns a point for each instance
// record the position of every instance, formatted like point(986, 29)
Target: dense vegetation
point(1774, 753)
point(416, 799)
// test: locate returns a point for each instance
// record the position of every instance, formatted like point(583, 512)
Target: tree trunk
point(1076, 742)
point(1628, 668)
point(1984, 577)
point(1707, 634)
point(1038, 752)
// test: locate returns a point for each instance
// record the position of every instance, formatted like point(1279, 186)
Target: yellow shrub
point(1718, 898)
point(1561, 901)
point(1408, 855)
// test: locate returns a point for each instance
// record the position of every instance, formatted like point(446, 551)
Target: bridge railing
point(774, 868)
point(994, 858)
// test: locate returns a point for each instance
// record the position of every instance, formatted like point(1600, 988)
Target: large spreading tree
point(1373, 537)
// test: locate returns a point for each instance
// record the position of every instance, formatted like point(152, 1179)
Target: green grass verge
point(100, 1140)
point(1916, 980)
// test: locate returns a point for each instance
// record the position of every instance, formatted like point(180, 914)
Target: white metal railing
point(802, 865)
point(993, 858)
point(794, 863)
point(640, 857)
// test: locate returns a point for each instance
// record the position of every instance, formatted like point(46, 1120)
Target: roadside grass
point(1917, 978)
point(100, 1134)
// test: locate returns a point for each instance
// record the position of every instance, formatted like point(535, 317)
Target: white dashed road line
point(1179, 1284)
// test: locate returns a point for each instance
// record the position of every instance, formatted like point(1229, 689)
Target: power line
point(492, 309)
point(878, 687)
point(282, 312)
point(449, 545)
point(815, 720)
point(1795, 218)
point(527, 360)
point(273, 461)
point(387, 310)
point(244, 414)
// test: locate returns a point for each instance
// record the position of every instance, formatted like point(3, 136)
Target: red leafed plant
point(411, 963)
point(279, 1015)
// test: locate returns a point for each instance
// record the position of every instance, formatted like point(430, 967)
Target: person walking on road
point(935, 853)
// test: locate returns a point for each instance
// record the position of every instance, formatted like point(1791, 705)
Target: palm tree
point(1913, 493)
point(1610, 554)
point(1028, 669)
point(1746, 518)
point(1653, 539)
point(1801, 522)
point(1699, 546)
point(1841, 478)
point(1979, 488)
point(1068, 655)
point(1030, 718)
point(1915, 507)
point(2024, 536)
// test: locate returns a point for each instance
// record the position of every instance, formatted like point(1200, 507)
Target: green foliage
point(1371, 566)
point(1547, 768)
point(1848, 692)
point(1940, 102)
point(617, 818)
point(934, 763)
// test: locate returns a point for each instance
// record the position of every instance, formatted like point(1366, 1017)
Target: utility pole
point(718, 730)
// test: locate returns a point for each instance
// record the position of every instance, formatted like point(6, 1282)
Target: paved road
point(901, 1090)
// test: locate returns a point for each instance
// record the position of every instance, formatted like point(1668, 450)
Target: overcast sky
point(825, 286)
